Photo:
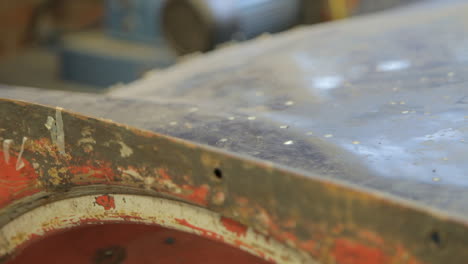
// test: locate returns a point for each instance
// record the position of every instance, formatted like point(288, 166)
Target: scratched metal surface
point(378, 101)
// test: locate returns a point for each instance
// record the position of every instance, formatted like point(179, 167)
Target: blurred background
point(90, 45)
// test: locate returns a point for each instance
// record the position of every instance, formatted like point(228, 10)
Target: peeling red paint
point(16, 184)
point(163, 174)
point(194, 194)
point(106, 201)
point(127, 218)
point(371, 237)
point(214, 236)
point(240, 244)
point(204, 232)
point(104, 173)
point(199, 195)
point(346, 251)
point(310, 246)
point(234, 226)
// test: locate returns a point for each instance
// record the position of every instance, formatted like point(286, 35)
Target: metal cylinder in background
point(200, 25)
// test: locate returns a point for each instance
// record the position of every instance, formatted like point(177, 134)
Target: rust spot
point(346, 251)
point(106, 201)
point(234, 226)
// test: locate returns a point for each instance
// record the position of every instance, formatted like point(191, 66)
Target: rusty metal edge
point(336, 194)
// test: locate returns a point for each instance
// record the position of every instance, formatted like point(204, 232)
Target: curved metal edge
point(328, 219)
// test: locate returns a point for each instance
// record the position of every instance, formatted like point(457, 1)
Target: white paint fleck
point(251, 118)
point(328, 135)
point(327, 82)
point(193, 110)
point(284, 126)
point(223, 140)
point(404, 112)
point(356, 142)
point(231, 118)
point(133, 174)
point(125, 150)
point(435, 179)
point(289, 103)
point(402, 102)
point(6, 150)
point(87, 140)
point(149, 181)
point(393, 65)
point(289, 142)
point(60, 132)
point(19, 161)
point(50, 125)
point(173, 123)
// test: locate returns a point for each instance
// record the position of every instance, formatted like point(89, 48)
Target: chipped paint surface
point(308, 215)
point(125, 150)
point(234, 226)
point(19, 161)
point(60, 131)
point(18, 178)
point(146, 210)
point(106, 201)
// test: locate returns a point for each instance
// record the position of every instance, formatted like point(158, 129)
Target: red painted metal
point(129, 244)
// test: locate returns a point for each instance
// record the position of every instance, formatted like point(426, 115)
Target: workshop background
point(90, 45)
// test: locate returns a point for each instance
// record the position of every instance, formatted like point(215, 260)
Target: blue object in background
point(138, 20)
point(95, 59)
point(131, 44)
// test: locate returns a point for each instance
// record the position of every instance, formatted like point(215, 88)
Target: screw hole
point(218, 173)
point(169, 241)
point(435, 239)
point(111, 255)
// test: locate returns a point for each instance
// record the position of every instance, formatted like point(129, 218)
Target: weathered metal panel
point(47, 159)
point(362, 115)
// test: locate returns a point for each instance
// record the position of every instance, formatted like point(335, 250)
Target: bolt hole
point(111, 255)
point(169, 241)
point(435, 239)
point(218, 174)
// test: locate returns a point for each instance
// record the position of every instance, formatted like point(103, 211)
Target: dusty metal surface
point(379, 101)
point(361, 114)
